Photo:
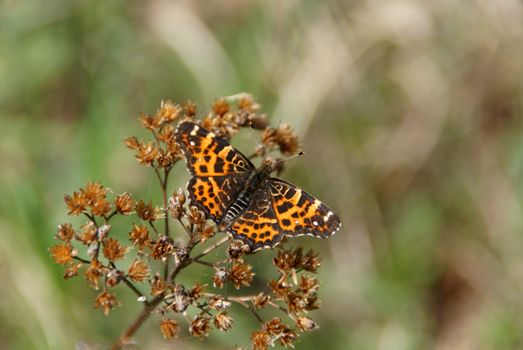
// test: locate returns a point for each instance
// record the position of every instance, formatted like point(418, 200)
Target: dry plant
point(171, 235)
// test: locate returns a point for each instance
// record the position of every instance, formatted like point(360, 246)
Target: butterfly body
point(244, 200)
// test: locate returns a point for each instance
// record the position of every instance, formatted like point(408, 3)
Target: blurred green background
point(410, 114)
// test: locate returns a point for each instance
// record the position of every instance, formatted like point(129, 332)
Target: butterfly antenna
point(255, 136)
point(300, 153)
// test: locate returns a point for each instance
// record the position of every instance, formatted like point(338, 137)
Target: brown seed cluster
point(169, 234)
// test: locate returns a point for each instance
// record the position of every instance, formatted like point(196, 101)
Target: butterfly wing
point(219, 171)
point(299, 213)
point(258, 225)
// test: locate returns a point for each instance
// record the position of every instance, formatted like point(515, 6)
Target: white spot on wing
point(315, 223)
point(195, 130)
point(192, 143)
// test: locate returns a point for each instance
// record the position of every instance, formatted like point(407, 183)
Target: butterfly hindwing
point(299, 213)
point(258, 226)
point(207, 154)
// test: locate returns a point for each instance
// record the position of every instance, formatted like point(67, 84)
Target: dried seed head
point(260, 340)
point(220, 107)
point(147, 153)
point(200, 326)
point(72, 271)
point(312, 303)
point(311, 261)
point(280, 288)
point(283, 137)
point(106, 301)
point(308, 285)
point(247, 103)
point(88, 233)
point(138, 271)
point(124, 204)
point(260, 300)
point(169, 328)
point(306, 324)
point(237, 249)
point(274, 327)
point(162, 247)
point(167, 113)
point(196, 216)
point(158, 285)
point(222, 321)
point(113, 277)
point(288, 338)
point(132, 143)
point(76, 203)
point(148, 121)
point(147, 212)
point(140, 236)
point(65, 232)
point(205, 231)
point(62, 253)
point(93, 273)
point(217, 302)
point(190, 109)
point(179, 299)
point(241, 274)
point(195, 292)
point(176, 203)
point(296, 302)
point(219, 277)
point(113, 250)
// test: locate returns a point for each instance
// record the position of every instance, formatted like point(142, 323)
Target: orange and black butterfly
point(253, 206)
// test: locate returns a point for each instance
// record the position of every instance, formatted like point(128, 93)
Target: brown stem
point(151, 306)
point(211, 248)
point(144, 315)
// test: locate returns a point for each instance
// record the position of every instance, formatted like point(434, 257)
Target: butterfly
point(246, 201)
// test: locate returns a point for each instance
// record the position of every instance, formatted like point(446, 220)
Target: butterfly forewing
point(299, 213)
point(219, 171)
point(213, 195)
point(209, 155)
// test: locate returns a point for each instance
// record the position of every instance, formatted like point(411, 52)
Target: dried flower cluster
point(168, 236)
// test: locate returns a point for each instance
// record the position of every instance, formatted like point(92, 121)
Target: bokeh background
point(410, 114)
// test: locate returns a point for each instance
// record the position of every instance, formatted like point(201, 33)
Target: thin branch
point(85, 261)
point(151, 306)
point(164, 193)
point(107, 218)
point(211, 248)
point(154, 228)
point(201, 262)
point(128, 283)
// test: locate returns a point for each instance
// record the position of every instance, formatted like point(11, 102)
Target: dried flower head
point(140, 236)
point(124, 204)
point(306, 324)
point(169, 328)
point(65, 232)
point(138, 271)
point(241, 274)
point(76, 203)
point(113, 250)
point(62, 253)
point(222, 321)
point(106, 301)
point(200, 326)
